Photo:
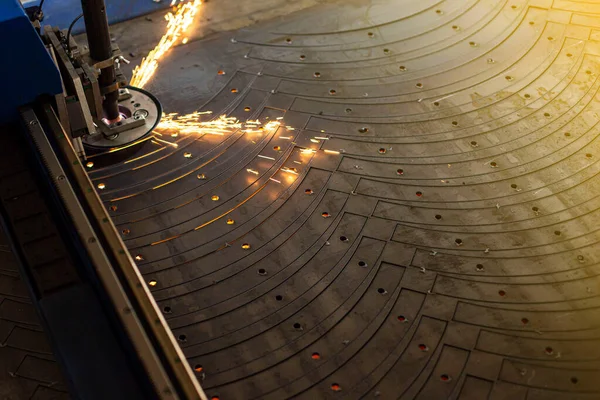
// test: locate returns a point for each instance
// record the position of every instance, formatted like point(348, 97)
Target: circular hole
point(288, 40)
point(588, 72)
point(580, 258)
point(458, 242)
point(386, 51)
point(423, 347)
point(436, 103)
point(214, 197)
point(89, 164)
point(101, 186)
point(402, 68)
point(473, 143)
point(308, 191)
point(245, 246)
point(317, 74)
point(527, 95)
point(567, 134)
point(362, 264)
point(315, 356)
point(445, 377)
point(325, 214)
point(167, 309)
point(401, 318)
point(279, 297)
point(455, 123)
point(479, 267)
point(524, 321)
point(302, 56)
point(125, 231)
point(557, 233)
point(574, 380)
point(438, 216)
point(215, 398)
point(508, 78)
point(139, 257)
point(400, 171)
point(455, 27)
point(501, 292)
point(419, 85)
point(493, 164)
point(113, 208)
point(419, 194)
point(531, 23)
point(363, 129)
point(546, 114)
point(370, 34)
point(588, 155)
point(198, 368)
point(182, 338)
point(438, 11)
point(513, 7)
point(348, 110)
point(221, 72)
point(230, 221)
point(297, 325)
point(343, 238)
point(491, 61)
point(381, 150)
point(187, 155)
point(381, 291)
point(535, 209)
point(550, 38)
point(201, 176)
point(152, 283)
point(276, 148)
point(569, 55)
point(335, 387)
point(332, 92)
point(262, 271)
point(247, 109)
point(549, 350)
point(513, 185)
point(234, 90)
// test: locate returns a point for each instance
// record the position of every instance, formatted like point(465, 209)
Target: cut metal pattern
point(428, 228)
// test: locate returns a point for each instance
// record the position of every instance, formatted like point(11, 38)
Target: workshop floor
point(441, 241)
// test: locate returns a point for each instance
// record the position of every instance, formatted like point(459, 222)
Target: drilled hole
point(419, 85)
point(370, 34)
point(549, 350)
point(89, 164)
point(308, 191)
point(363, 130)
point(182, 338)
point(419, 194)
point(513, 185)
point(113, 208)
point(550, 38)
point(215, 398)
point(438, 216)
point(201, 176)
point(297, 326)
point(574, 380)
point(458, 242)
point(386, 51)
point(438, 11)
point(221, 72)
point(473, 143)
point(567, 134)
point(445, 377)
point(234, 90)
point(101, 186)
point(400, 171)
point(535, 209)
point(167, 309)
point(214, 197)
point(527, 95)
point(423, 347)
point(302, 56)
point(315, 356)
point(152, 283)
point(472, 44)
point(198, 368)
point(381, 150)
point(317, 74)
point(557, 233)
point(276, 148)
point(479, 267)
point(401, 318)
point(508, 78)
point(332, 92)
point(247, 109)
point(279, 297)
point(187, 155)
point(588, 72)
point(230, 221)
point(455, 123)
point(125, 231)
point(436, 103)
point(502, 293)
point(362, 264)
point(336, 387)
point(245, 246)
point(262, 271)
point(588, 155)
point(381, 291)
point(524, 321)
point(325, 214)
point(402, 68)
point(139, 257)
point(493, 164)
point(569, 55)
point(580, 258)
point(455, 27)
point(343, 238)
point(546, 114)
point(348, 110)
point(288, 40)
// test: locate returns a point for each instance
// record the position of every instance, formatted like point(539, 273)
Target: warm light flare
point(177, 24)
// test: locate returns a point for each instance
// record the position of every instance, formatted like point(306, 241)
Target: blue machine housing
point(26, 68)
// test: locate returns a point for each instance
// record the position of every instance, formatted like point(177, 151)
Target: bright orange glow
point(177, 25)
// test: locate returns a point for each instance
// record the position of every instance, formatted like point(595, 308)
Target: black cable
point(69, 31)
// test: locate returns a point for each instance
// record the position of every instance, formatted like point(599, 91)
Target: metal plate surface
point(441, 242)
